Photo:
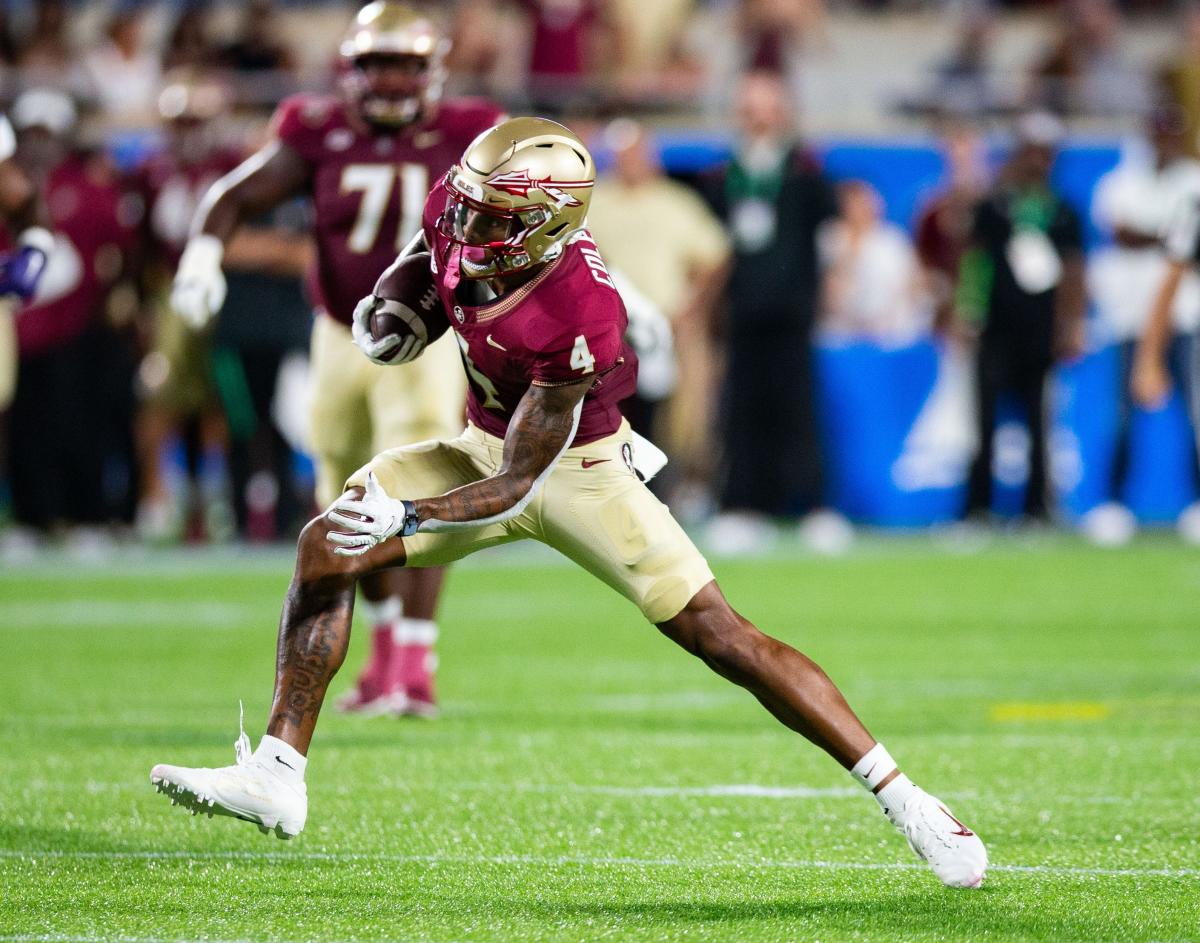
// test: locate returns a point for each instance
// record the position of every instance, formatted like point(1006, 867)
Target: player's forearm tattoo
point(542, 425)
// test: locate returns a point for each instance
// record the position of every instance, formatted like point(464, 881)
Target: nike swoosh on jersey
point(589, 462)
point(492, 343)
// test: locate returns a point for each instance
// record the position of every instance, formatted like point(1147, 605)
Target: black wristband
point(410, 519)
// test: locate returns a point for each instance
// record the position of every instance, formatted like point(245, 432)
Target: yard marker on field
point(1018, 711)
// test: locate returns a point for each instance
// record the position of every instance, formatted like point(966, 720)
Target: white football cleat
point(952, 850)
point(249, 790)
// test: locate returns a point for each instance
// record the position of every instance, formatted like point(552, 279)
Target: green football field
point(588, 781)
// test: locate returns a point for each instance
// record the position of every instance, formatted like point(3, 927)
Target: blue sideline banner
point(899, 458)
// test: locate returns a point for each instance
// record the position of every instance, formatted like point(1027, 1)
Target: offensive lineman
point(367, 159)
point(547, 455)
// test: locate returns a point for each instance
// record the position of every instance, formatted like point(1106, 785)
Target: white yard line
point(46, 614)
point(581, 860)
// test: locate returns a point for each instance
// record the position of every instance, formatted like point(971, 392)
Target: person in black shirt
point(772, 197)
point(1021, 290)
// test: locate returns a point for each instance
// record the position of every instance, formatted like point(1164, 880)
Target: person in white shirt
point(873, 288)
point(1136, 204)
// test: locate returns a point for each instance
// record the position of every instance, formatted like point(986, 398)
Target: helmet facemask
point(494, 240)
point(392, 91)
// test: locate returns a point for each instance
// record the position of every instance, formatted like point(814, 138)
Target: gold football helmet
point(520, 191)
point(394, 63)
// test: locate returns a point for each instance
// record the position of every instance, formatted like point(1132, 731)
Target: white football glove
point(392, 349)
point(199, 289)
point(370, 520)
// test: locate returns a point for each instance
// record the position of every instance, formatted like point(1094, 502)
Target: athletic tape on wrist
point(875, 766)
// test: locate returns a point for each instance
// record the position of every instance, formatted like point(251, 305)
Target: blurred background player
point(69, 412)
point(367, 158)
point(176, 379)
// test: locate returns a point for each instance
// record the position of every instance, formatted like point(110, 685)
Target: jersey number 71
point(376, 182)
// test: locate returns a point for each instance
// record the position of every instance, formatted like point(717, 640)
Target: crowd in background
point(123, 422)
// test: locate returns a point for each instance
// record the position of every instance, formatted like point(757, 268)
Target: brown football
point(408, 289)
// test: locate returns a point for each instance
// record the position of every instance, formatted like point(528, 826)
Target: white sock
point(416, 632)
point(282, 759)
point(894, 795)
point(873, 767)
point(384, 611)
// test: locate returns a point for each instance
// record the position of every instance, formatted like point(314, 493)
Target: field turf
point(589, 782)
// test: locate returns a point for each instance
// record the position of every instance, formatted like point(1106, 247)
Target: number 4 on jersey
point(581, 357)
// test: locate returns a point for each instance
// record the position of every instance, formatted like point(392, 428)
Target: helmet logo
point(519, 183)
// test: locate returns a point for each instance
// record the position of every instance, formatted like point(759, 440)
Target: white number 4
point(581, 357)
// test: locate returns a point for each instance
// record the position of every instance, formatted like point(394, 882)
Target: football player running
point(367, 158)
point(546, 456)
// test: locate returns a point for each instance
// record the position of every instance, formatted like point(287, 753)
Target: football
point(412, 302)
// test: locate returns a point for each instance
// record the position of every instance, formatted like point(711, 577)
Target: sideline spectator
point(47, 59)
point(872, 281)
point(1084, 71)
point(666, 241)
point(1181, 74)
point(1022, 290)
point(943, 227)
point(124, 77)
point(62, 415)
point(260, 60)
point(572, 42)
point(963, 85)
point(258, 47)
point(1136, 203)
point(189, 46)
point(773, 199)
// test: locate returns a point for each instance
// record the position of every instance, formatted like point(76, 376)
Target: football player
point(548, 456)
point(367, 158)
point(176, 377)
point(21, 267)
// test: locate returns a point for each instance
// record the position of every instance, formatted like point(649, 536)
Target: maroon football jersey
point(566, 324)
point(172, 190)
point(368, 186)
point(96, 220)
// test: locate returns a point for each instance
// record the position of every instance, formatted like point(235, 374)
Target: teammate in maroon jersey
point(60, 416)
point(367, 159)
point(177, 387)
point(21, 212)
point(547, 456)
